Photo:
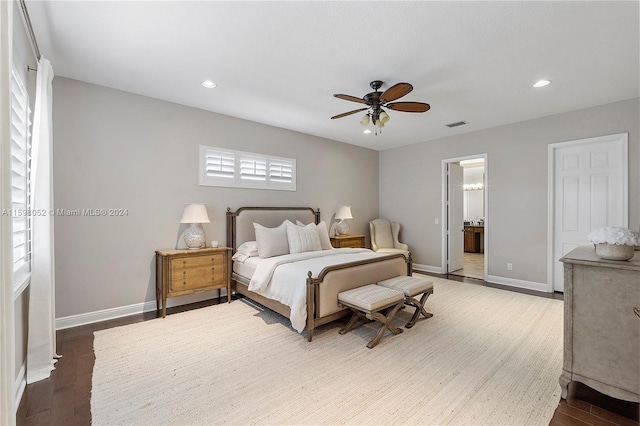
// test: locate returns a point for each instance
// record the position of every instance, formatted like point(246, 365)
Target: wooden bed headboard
point(240, 222)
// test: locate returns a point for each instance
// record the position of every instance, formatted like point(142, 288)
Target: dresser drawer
point(180, 263)
point(353, 241)
point(198, 281)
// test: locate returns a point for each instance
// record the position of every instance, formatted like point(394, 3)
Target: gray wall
point(114, 149)
point(411, 185)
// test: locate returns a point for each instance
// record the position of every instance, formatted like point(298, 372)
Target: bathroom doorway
point(471, 214)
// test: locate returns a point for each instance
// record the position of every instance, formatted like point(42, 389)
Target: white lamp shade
point(384, 117)
point(344, 212)
point(195, 213)
point(365, 120)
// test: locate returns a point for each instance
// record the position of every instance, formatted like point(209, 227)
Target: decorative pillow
point(271, 241)
point(302, 238)
point(245, 251)
point(250, 248)
point(323, 234)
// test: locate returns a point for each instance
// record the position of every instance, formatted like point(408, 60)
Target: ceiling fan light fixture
point(365, 120)
point(384, 117)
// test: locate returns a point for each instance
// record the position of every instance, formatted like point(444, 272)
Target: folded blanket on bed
point(264, 271)
point(283, 278)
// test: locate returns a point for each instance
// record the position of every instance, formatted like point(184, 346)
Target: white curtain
point(7, 330)
point(41, 349)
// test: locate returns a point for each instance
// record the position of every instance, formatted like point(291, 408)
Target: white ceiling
point(279, 63)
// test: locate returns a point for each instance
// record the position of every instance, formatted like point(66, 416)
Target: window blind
point(20, 153)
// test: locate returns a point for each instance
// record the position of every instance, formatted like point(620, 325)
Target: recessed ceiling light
point(366, 131)
point(541, 83)
point(208, 84)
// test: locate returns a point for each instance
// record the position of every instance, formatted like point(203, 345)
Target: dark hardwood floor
point(64, 398)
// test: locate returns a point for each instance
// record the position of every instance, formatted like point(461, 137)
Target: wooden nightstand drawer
point(196, 278)
point(181, 272)
point(214, 259)
point(342, 241)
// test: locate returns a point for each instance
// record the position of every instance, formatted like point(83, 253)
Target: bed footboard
point(322, 291)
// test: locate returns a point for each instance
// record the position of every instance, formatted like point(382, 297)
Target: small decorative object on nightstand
point(341, 241)
point(195, 214)
point(182, 272)
point(343, 213)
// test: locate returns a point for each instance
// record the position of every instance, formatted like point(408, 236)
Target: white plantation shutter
point(254, 169)
point(237, 169)
point(282, 172)
point(20, 178)
point(217, 167)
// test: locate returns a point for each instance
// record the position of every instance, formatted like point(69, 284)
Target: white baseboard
point(21, 384)
point(124, 311)
point(529, 285)
point(427, 268)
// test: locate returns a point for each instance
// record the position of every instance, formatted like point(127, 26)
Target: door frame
point(444, 238)
point(551, 184)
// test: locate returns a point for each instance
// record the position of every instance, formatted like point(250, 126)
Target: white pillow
point(323, 234)
point(250, 248)
point(245, 251)
point(302, 238)
point(271, 241)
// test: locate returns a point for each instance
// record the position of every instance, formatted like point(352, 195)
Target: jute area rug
point(487, 357)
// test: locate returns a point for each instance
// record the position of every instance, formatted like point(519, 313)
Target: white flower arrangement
point(615, 236)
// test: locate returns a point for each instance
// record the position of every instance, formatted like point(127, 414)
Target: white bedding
point(284, 278)
point(248, 267)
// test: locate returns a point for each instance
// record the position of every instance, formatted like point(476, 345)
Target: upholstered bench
point(411, 287)
point(369, 302)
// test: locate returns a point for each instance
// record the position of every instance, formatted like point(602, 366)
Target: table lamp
point(344, 212)
point(195, 214)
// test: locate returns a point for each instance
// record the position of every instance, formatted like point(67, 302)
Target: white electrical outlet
point(509, 267)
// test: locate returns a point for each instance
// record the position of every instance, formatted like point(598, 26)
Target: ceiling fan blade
point(396, 91)
point(409, 106)
point(344, 114)
point(351, 98)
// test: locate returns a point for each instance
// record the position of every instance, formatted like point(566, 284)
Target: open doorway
point(466, 217)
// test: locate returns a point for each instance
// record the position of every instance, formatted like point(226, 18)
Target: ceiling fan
point(376, 100)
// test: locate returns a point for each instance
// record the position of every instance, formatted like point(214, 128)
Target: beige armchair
point(384, 237)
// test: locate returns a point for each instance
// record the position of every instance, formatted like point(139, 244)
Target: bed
point(315, 277)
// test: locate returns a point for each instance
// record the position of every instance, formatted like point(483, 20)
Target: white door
point(590, 191)
point(455, 217)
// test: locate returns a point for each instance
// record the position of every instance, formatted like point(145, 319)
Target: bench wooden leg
point(353, 321)
point(386, 323)
point(419, 305)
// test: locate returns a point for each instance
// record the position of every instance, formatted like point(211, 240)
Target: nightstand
point(182, 272)
point(355, 241)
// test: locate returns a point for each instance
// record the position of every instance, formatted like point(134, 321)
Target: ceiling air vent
point(459, 123)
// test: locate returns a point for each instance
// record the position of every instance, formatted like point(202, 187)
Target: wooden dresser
point(355, 241)
point(182, 272)
point(601, 329)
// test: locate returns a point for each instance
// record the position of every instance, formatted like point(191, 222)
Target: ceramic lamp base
point(194, 236)
point(342, 228)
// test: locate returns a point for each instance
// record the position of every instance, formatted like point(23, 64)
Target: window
point(222, 167)
point(20, 180)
